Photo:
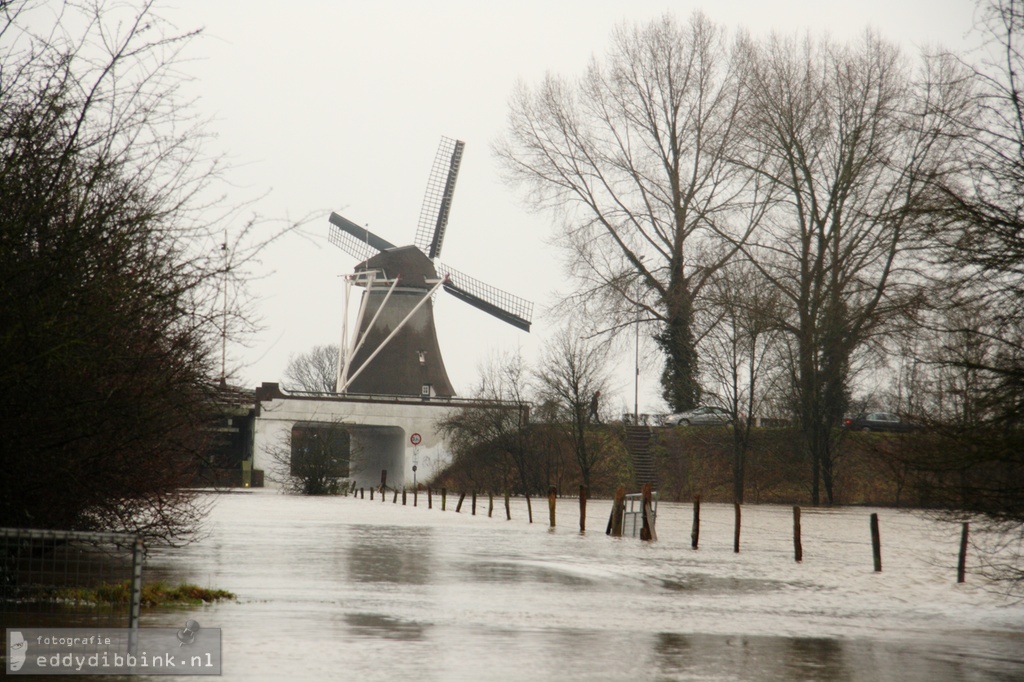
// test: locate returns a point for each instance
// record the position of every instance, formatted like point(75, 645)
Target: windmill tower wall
point(412, 359)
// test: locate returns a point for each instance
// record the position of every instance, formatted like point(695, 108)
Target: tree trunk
point(679, 380)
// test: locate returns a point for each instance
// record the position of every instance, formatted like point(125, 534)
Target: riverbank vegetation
point(877, 469)
point(157, 593)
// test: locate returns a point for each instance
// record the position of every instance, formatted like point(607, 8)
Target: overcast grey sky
point(338, 105)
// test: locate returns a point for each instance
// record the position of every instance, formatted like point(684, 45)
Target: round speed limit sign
point(415, 439)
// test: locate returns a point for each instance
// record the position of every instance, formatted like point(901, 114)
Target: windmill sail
point(357, 241)
point(437, 201)
point(507, 307)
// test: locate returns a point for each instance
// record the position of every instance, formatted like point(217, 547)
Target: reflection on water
point(375, 625)
point(822, 657)
point(782, 659)
point(698, 582)
point(342, 588)
point(755, 658)
point(390, 554)
point(521, 572)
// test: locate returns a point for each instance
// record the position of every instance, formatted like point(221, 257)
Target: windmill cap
point(407, 262)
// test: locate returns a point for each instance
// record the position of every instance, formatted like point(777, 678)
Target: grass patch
point(153, 594)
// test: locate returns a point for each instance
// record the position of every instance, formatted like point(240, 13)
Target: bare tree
point(851, 142)
point(499, 422)
point(572, 378)
point(744, 356)
point(313, 459)
point(634, 157)
point(315, 371)
point(977, 223)
point(113, 272)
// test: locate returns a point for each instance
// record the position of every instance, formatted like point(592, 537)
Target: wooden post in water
point(490, 504)
point(620, 510)
point(362, 494)
point(798, 548)
point(647, 531)
point(695, 531)
point(876, 543)
point(458, 507)
point(552, 498)
point(394, 500)
point(404, 492)
point(416, 496)
point(615, 520)
point(529, 508)
point(371, 494)
point(383, 483)
point(444, 499)
point(474, 503)
point(583, 508)
point(508, 511)
point(961, 564)
point(430, 498)
point(736, 532)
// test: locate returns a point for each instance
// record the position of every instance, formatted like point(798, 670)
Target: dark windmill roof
point(405, 262)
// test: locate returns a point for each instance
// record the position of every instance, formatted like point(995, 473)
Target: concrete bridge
point(387, 432)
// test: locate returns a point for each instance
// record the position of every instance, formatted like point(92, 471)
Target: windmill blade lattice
point(505, 306)
point(354, 240)
point(437, 201)
point(362, 244)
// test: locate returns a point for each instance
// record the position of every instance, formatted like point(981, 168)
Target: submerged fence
point(69, 578)
point(635, 515)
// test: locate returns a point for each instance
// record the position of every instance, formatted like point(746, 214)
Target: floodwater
point(345, 588)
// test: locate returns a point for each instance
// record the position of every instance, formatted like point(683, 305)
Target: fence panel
point(69, 578)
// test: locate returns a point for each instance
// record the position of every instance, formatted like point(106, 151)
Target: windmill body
point(411, 363)
point(395, 350)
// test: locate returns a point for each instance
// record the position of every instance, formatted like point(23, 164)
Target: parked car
point(878, 421)
point(700, 415)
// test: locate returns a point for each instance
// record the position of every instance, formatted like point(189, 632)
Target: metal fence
point(69, 578)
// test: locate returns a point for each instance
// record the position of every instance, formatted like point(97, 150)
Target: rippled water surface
point(344, 588)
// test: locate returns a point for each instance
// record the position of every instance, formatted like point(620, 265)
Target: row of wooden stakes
point(647, 531)
point(798, 550)
point(615, 520)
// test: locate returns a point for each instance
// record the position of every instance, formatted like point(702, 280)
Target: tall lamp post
point(636, 359)
point(636, 373)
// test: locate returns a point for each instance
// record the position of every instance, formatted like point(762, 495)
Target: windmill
point(394, 350)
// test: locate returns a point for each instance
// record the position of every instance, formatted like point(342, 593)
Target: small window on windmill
point(426, 391)
point(422, 354)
